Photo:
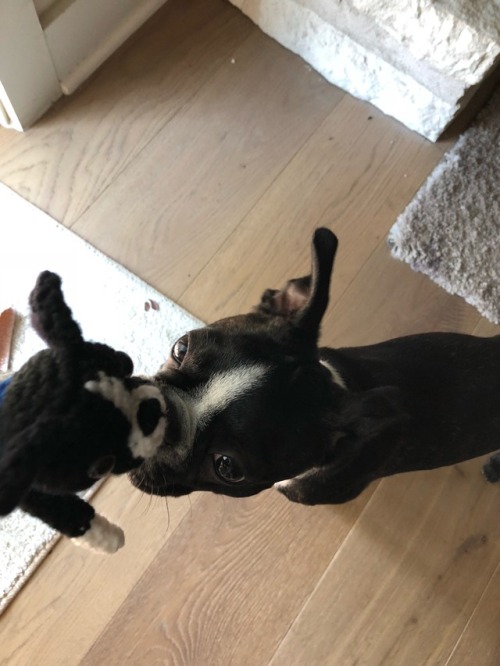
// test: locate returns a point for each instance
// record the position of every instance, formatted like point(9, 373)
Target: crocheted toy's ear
point(17, 473)
point(50, 316)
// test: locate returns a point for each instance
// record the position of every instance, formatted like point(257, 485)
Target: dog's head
point(249, 401)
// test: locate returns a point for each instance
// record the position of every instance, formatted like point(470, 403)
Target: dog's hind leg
point(491, 469)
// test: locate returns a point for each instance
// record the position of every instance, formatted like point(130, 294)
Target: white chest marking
point(224, 388)
point(337, 379)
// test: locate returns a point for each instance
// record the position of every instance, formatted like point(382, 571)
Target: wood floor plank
point(201, 156)
point(227, 603)
point(76, 150)
point(75, 593)
point(358, 203)
point(410, 573)
point(217, 158)
point(486, 328)
point(388, 299)
point(480, 642)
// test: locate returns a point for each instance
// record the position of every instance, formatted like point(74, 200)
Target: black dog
point(254, 403)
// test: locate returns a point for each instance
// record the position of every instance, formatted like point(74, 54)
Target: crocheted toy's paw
point(102, 537)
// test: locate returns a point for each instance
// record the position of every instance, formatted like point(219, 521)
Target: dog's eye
point(227, 469)
point(180, 349)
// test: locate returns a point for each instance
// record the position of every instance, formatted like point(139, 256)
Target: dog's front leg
point(356, 463)
point(491, 469)
point(326, 485)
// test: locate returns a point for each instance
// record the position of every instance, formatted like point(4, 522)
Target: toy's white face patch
point(128, 402)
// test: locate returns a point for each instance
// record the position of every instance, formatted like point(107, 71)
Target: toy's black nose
point(148, 415)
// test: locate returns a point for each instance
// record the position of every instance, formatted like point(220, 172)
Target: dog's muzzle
point(175, 452)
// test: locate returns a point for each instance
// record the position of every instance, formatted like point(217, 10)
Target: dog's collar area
point(336, 376)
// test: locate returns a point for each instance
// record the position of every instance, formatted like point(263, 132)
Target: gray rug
point(451, 229)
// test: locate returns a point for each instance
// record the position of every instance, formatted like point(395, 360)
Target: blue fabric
point(3, 387)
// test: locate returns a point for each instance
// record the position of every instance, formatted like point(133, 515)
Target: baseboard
point(82, 36)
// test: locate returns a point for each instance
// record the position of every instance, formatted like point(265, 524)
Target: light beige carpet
point(111, 305)
point(451, 230)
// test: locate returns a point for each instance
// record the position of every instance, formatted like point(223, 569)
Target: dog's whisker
point(168, 514)
point(190, 506)
point(146, 503)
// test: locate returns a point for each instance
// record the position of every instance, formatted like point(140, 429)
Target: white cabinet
point(49, 47)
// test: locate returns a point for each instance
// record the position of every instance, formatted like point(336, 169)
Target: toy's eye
point(149, 415)
point(180, 349)
point(227, 469)
point(102, 467)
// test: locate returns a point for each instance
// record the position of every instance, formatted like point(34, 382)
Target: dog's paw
point(491, 470)
point(102, 537)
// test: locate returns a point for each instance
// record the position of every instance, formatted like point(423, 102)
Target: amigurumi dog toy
point(71, 415)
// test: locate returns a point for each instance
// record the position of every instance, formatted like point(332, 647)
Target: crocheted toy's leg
point(103, 536)
point(76, 519)
point(67, 514)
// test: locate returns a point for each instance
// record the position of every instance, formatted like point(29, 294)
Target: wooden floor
point(202, 156)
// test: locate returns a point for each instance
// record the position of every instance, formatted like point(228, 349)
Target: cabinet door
point(49, 47)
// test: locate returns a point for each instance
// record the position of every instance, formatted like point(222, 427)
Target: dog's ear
point(304, 300)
